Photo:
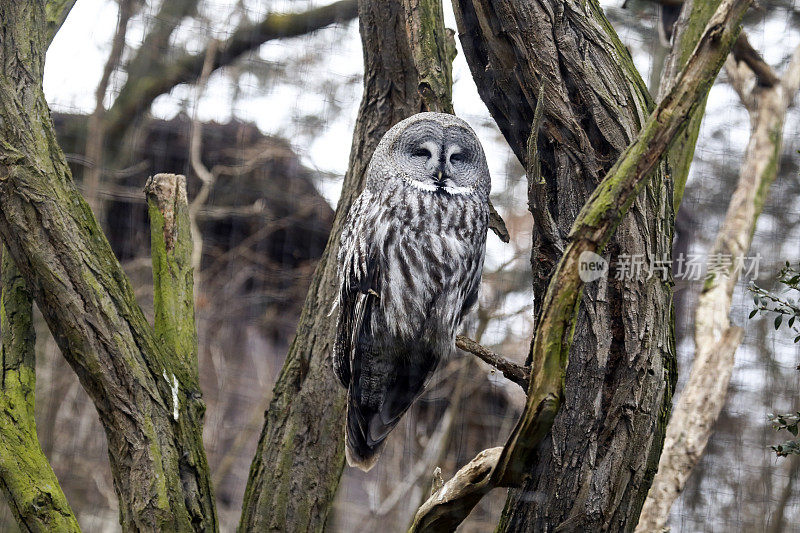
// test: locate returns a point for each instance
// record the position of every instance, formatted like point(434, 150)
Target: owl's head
point(434, 152)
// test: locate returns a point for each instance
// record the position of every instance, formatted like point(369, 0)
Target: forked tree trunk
point(148, 399)
point(300, 455)
point(595, 468)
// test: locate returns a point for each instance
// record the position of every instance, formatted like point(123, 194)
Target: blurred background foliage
point(271, 122)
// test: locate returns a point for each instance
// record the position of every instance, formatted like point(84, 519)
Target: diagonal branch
point(591, 231)
point(160, 77)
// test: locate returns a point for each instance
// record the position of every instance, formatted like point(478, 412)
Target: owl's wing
point(358, 278)
point(474, 268)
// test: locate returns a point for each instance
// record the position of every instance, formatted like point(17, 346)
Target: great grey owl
point(409, 267)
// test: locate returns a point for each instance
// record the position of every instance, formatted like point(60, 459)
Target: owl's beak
point(440, 178)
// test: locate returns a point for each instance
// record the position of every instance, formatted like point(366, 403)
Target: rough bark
point(300, 455)
point(716, 340)
point(89, 305)
point(595, 466)
point(26, 479)
point(594, 469)
point(593, 229)
point(161, 75)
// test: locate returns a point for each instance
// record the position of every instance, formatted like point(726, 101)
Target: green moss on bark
point(26, 478)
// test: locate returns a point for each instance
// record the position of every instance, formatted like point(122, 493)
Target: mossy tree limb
point(591, 232)
point(300, 455)
point(171, 250)
point(26, 479)
point(86, 299)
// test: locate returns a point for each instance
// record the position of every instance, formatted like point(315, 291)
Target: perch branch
point(593, 228)
point(514, 372)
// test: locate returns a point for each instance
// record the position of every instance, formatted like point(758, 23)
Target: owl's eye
point(422, 152)
point(458, 157)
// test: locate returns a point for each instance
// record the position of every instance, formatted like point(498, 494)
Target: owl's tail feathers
point(364, 435)
point(375, 406)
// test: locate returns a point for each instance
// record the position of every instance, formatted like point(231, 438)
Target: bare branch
point(156, 41)
point(95, 131)
point(138, 93)
point(206, 176)
point(514, 372)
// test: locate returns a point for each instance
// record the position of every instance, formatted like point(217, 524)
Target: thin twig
point(517, 373)
point(96, 128)
point(195, 145)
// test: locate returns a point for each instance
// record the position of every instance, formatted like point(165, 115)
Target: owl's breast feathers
point(409, 266)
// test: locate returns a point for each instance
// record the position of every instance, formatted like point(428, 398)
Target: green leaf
point(753, 313)
point(778, 320)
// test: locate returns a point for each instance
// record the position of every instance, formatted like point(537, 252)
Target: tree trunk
point(594, 470)
point(300, 454)
point(137, 385)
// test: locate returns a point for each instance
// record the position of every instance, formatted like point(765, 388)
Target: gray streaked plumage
point(410, 264)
